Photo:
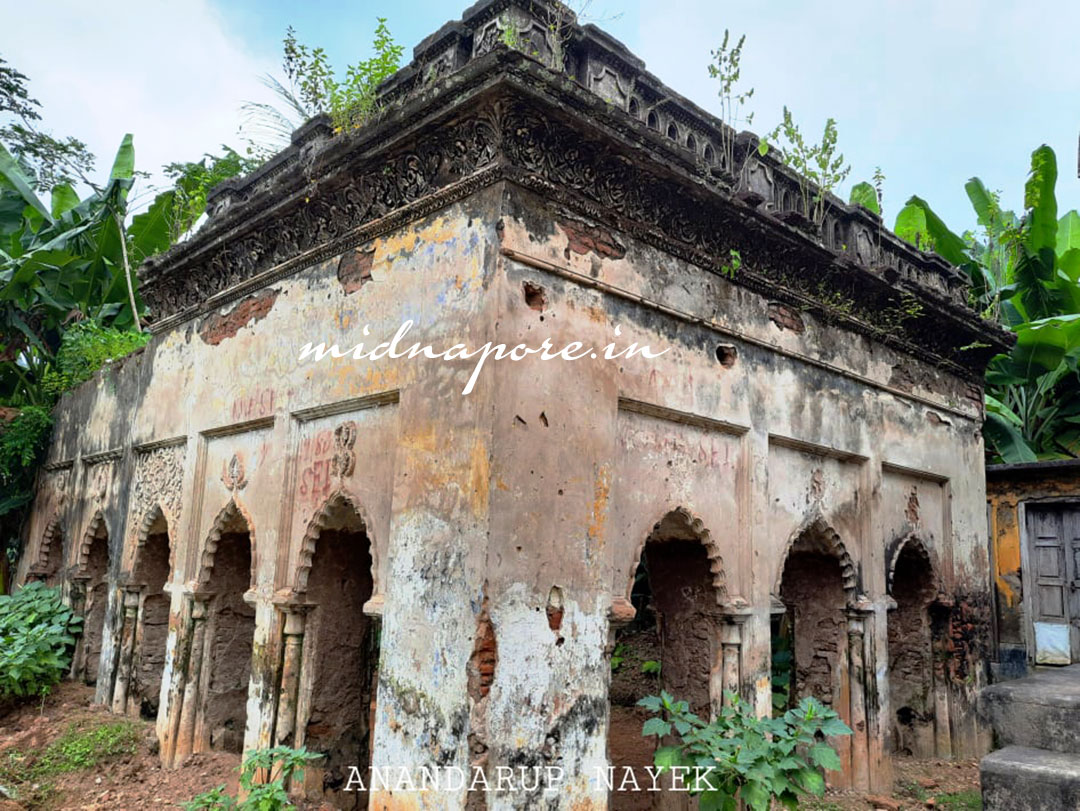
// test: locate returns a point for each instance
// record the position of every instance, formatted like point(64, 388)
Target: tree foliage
point(1025, 273)
point(48, 160)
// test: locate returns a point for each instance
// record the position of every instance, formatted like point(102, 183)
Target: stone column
point(77, 601)
point(189, 707)
point(291, 663)
point(860, 761)
point(131, 598)
point(726, 675)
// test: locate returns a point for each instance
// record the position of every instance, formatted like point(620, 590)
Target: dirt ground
point(940, 784)
point(137, 781)
point(126, 781)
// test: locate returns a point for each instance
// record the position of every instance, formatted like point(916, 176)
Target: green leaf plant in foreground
point(740, 757)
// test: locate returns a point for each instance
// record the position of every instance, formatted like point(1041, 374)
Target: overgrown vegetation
point(1025, 274)
point(821, 169)
point(37, 635)
point(311, 87)
point(740, 758)
point(726, 68)
point(69, 298)
point(281, 763)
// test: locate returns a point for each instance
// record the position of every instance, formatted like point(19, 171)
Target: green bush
point(36, 640)
point(21, 443)
point(281, 762)
point(85, 348)
point(740, 757)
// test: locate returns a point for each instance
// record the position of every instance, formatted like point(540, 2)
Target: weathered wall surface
point(505, 528)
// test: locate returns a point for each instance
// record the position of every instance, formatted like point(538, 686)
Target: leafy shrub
point(740, 757)
point(36, 640)
point(85, 348)
point(281, 762)
point(21, 443)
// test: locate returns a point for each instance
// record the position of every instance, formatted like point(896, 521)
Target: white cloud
point(168, 72)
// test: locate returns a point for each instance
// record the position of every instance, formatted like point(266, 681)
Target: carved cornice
point(505, 116)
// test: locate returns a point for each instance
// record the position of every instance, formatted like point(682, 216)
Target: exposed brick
point(216, 327)
point(786, 318)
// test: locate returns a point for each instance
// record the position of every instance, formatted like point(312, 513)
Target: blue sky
point(932, 92)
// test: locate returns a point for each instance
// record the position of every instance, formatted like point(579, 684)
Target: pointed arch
point(818, 536)
point(682, 523)
point(96, 524)
point(52, 535)
point(319, 521)
point(231, 514)
point(150, 518)
point(917, 547)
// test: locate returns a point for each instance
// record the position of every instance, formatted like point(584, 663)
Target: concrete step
point(1041, 711)
point(1019, 778)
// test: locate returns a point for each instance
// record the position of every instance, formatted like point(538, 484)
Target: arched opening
point(634, 112)
point(652, 121)
point(230, 634)
point(342, 650)
point(710, 156)
point(691, 143)
point(95, 572)
point(810, 626)
point(911, 678)
point(151, 573)
point(673, 131)
point(669, 645)
point(52, 557)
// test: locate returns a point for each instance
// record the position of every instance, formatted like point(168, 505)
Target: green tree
point(47, 160)
point(1025, 273)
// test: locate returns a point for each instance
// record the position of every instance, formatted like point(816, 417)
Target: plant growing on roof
point(726, 67)
point(819, 167)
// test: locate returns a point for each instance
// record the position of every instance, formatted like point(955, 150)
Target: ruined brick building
point(357, 557)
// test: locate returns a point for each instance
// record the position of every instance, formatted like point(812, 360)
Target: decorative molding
point(390, 397)
point(155, 444)
point(802, 446)
point(915, 473)
point(659, 412)
point(157, 488)
point(239, 428)
point(305, 221)
point(103, 456)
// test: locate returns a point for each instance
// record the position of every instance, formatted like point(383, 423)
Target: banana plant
point(1025, 273)
point(63, 261)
